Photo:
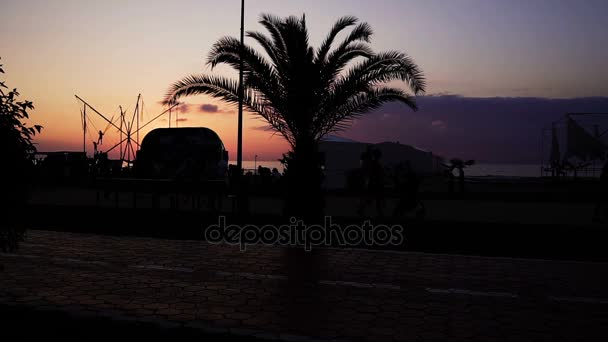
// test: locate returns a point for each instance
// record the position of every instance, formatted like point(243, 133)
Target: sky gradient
point(110, 51)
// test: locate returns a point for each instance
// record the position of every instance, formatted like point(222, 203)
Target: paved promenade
point(357, 295)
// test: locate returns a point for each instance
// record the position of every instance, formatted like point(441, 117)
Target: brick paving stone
point(360, 295)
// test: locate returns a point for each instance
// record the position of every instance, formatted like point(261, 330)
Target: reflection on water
point(504, 170)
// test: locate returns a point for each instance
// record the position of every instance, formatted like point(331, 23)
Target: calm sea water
point(504, 170)
point(251, 165)
point(478, 170)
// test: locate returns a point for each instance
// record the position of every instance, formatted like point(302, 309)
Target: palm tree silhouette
point(459, 165)
point(305, 93)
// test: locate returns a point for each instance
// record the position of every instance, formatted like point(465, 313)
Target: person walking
point(373, 174)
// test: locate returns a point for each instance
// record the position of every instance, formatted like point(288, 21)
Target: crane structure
point(128, 127)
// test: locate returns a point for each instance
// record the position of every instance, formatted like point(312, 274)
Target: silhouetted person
point(276, 176)
point(599, 212)
point(450, 179)
point(461, 180)
point(94, 148)
point(407, 184)
point(264, 174)
point(239, 187)
point(557, 169)
point(100, 139)
point(103, 165)
point(457, 163)
point(373, 174)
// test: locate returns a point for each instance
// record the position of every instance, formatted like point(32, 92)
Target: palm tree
point(460, 165)
point(305, 93)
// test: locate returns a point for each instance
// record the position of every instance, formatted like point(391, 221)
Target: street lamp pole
point(239, 148)
point(241, 200)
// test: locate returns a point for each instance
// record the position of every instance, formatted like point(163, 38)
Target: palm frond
point(335, 66)
point(353, 46)
point(228, 50)
point(268, 45)
point(259, 73)
point(303, 93)
point(227, 90)
point(378, 69)
point(357, 105)
point(273, 24)
point(295, 35)
point(215, 86)
point(338, 27)
point(361, 33)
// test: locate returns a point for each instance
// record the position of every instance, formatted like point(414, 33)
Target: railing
point(212, 190)
point(586, 172)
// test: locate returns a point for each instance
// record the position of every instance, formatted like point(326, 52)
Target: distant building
point(182, 153)
point(342, 156)
point(62, 165)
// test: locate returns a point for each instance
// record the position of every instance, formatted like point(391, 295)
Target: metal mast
point(128, 128)
point(239, 148)
point(84, 128)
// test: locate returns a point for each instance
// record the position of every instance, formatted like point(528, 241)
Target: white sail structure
point(581, 144)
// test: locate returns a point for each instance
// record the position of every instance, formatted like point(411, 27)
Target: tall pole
point(97, 112)
point(239, 147)
point(122, 118)
point(241, 199)
point(141, 110)
point(84, 128)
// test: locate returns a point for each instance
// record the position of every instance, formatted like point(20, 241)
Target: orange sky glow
point(108, 52)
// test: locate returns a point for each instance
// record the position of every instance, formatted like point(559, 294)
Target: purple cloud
point(183, 108)
point(208, 108)
point(438, 124)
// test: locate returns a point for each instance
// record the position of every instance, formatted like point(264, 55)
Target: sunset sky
point(542, 57)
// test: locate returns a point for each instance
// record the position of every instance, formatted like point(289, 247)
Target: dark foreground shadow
point(26, 324)
point(545, 241)
point(306, 308)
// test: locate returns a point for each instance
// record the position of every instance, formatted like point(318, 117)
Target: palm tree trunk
point(304, 195)
point(305, 202)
